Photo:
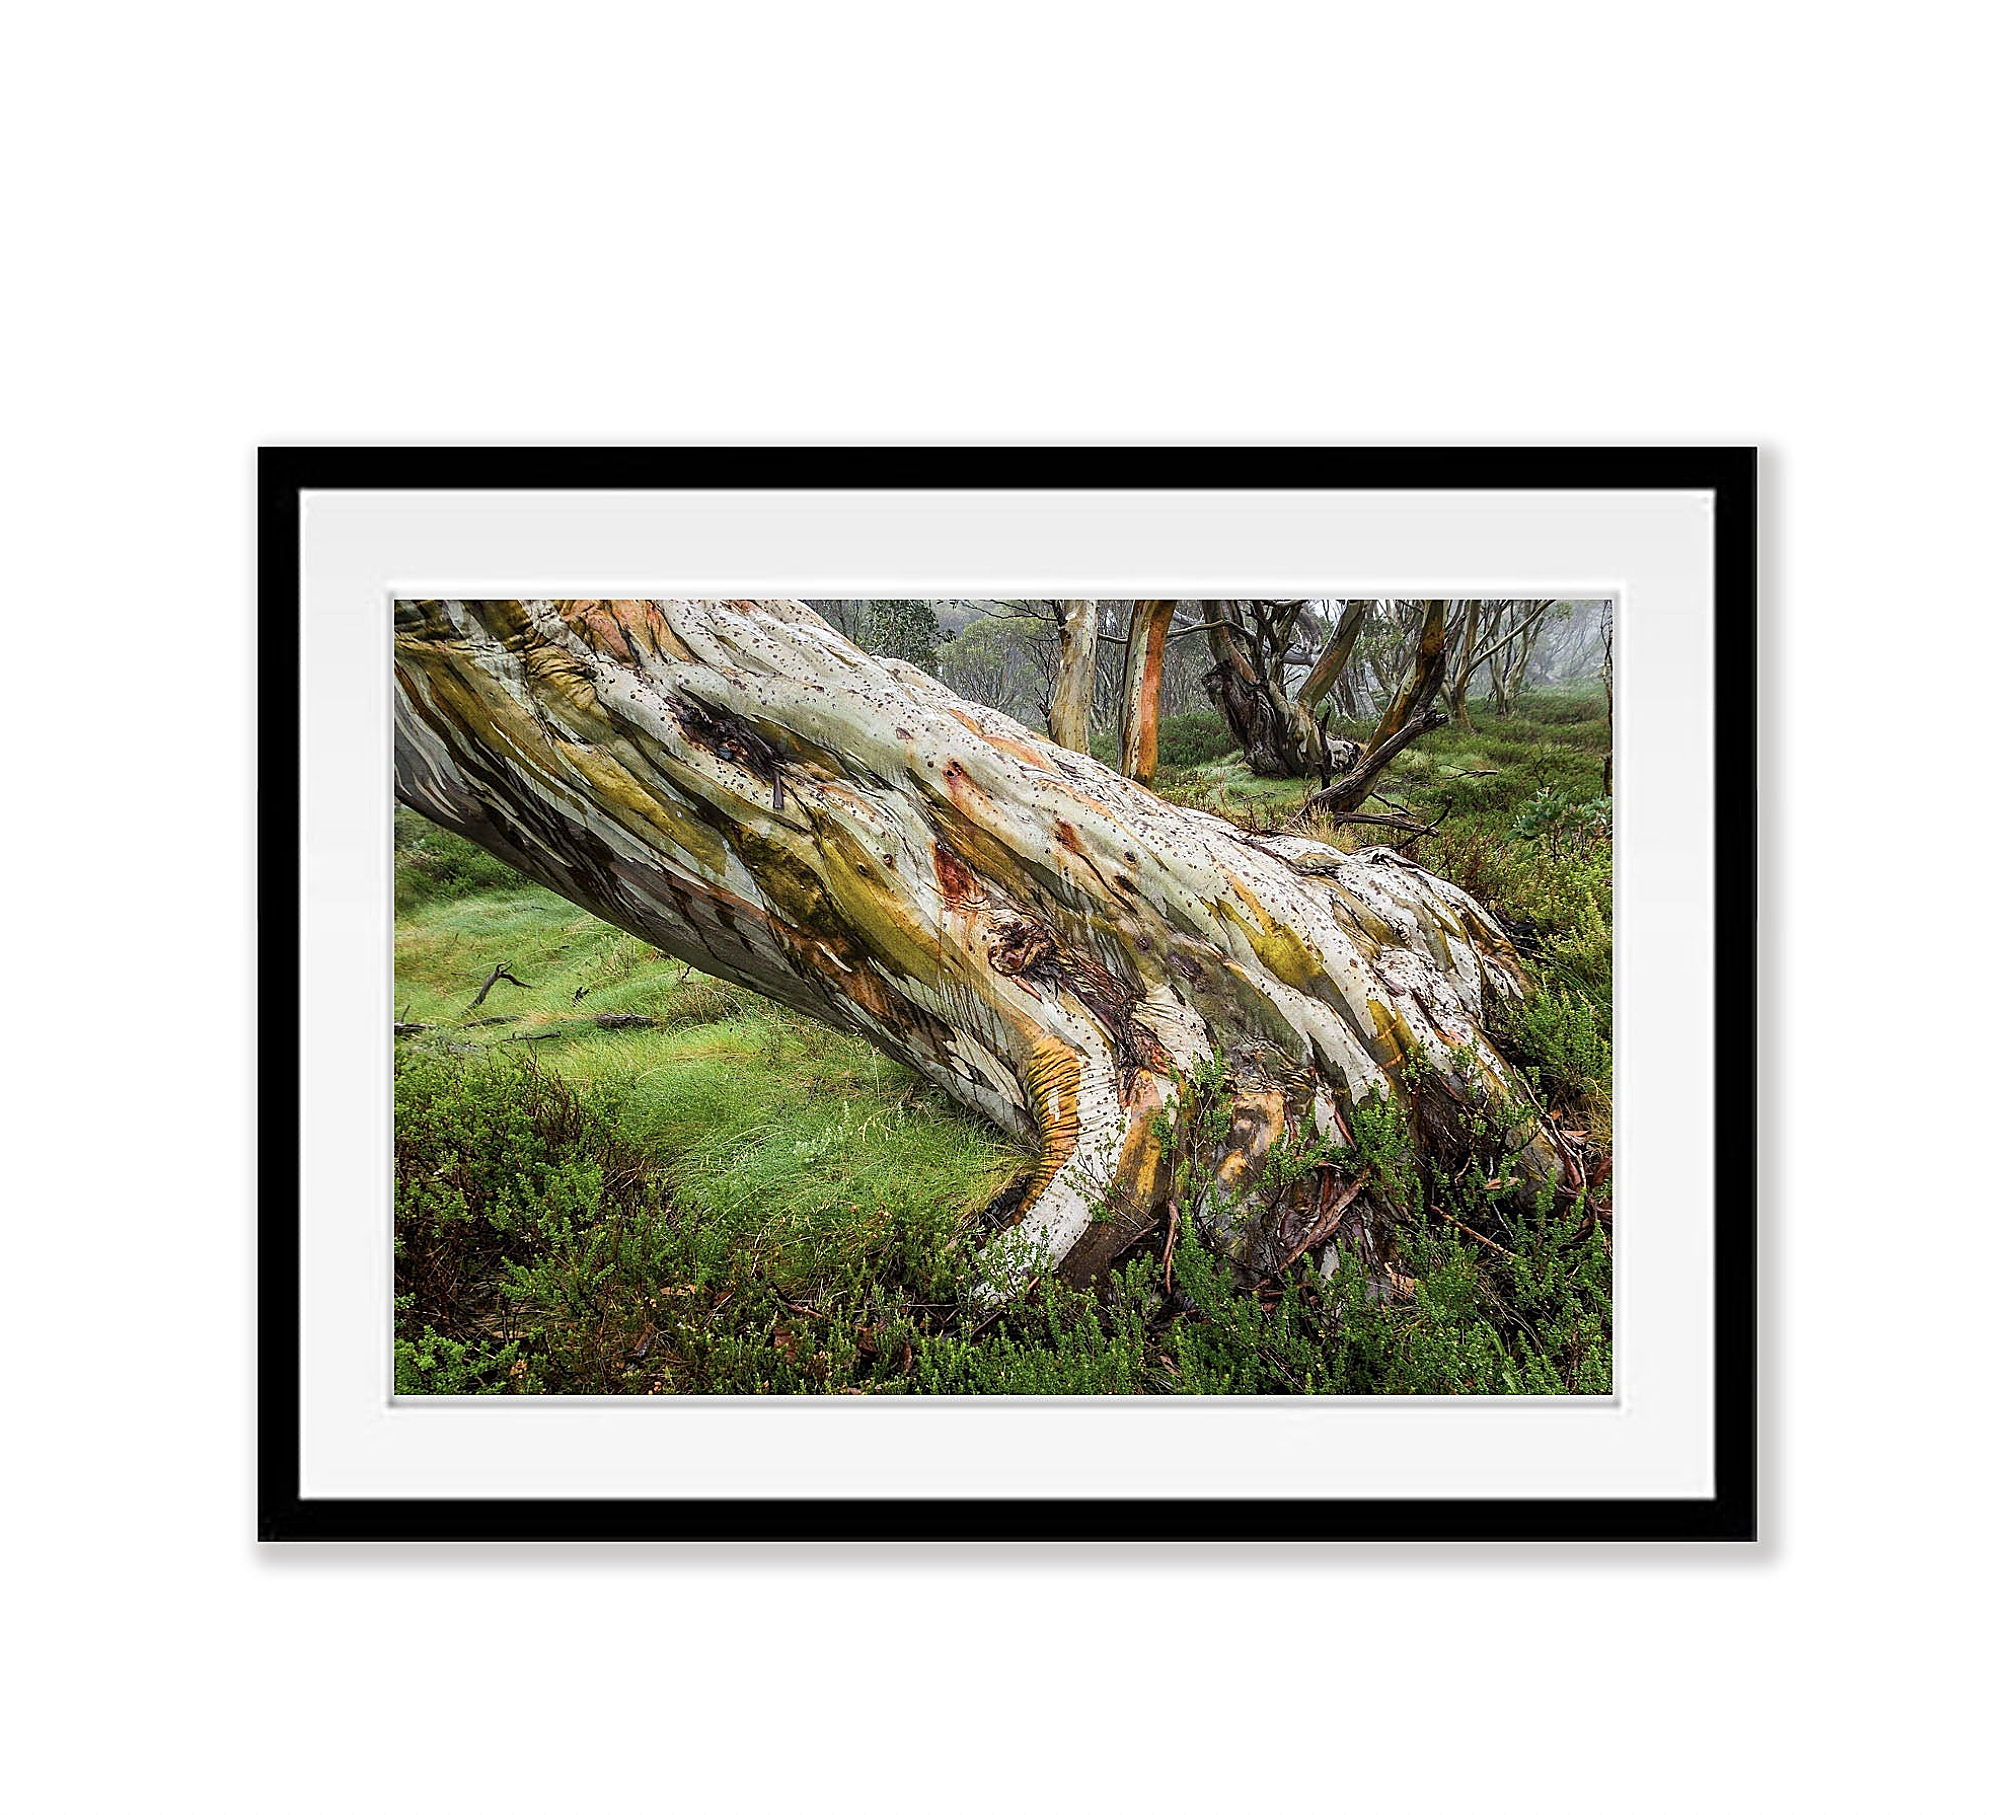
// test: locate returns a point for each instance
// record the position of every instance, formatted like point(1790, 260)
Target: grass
point(778, 1135)
point(734, 1198)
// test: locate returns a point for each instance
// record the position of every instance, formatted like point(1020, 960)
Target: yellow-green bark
point(1053, 945)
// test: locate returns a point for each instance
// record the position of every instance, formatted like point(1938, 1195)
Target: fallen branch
point(498, 975)
point(1405, 844)
point(1497, 1247)
point(1354, 787)
point(1395, 822)
point(1327, 1224)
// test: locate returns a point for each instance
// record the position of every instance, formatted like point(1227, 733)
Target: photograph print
point(1003, 996)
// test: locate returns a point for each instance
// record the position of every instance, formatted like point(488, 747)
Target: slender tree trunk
point(1056, 947)
point(1334, 659)
point(1460, 674)
point(1409, 717)
point(1526, 645)
point(1076, 677)
point(1139, 705)
point(1607, 681)
point(1428, 674)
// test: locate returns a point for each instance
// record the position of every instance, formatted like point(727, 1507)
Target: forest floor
point(729, 1197)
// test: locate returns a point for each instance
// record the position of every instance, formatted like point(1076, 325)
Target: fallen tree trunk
point(1056, 947)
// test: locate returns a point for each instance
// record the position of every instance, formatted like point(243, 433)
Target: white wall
point(231, 224)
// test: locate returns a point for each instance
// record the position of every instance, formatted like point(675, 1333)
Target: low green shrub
point(1190, 739)
point(1563, 823)
point(521, 1215)
point(1564, 1039)
point(535, 1254)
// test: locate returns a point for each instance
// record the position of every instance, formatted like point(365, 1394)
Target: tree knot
point(1020, 945)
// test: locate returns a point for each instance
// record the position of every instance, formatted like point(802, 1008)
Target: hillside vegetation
point(618, 1175)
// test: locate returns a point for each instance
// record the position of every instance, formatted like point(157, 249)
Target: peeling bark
point(1056, 947)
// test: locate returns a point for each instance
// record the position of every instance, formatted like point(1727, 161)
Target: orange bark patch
point(1054, 1072)
point(1146, 742)
point(1012, 746)
point(1259, 1121)
point(624, 628)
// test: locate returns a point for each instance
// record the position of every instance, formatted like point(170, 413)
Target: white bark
point(1076, 676)
point(1053, 945)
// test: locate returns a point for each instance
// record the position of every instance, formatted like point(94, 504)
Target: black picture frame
point(1729, 1514)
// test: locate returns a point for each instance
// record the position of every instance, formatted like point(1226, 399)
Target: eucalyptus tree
point(1059, 949)
point(1497, 634)
point(1252, 641)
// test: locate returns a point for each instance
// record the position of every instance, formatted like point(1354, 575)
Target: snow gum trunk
point(1055, 946)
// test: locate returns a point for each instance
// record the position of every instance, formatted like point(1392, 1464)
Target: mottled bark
point(1139, 706)
point(1053, 945)
point(1076, 676)
point(1428, 673)
point(1255, 644)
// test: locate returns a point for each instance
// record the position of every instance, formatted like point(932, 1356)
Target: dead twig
point(1335, 1197)
point(1395, 822)
point(1424, 831)
point(1497, 1247)
point(498, 975)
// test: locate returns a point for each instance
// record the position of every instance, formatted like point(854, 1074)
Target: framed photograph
point(1007, 994)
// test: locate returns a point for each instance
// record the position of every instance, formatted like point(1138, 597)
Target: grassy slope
point(738, 1199)
point(776, 1134)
